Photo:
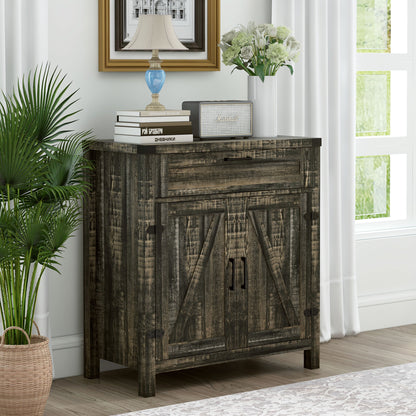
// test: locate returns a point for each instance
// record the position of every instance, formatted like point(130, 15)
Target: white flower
point(293, 47)
point(230, 54)
point(251, 28)
point(277, 53)
point(229, 36)
point(282, 32)
point(247, 53)
point(223, 46)
point(242, 39)
point(262, 28)
point(260, 40)
point(271, 30)
point(259, 50)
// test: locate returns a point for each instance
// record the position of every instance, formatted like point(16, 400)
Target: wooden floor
point(116, 391)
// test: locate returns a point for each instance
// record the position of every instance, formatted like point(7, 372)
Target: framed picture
point(196, 22)
point(188, 18)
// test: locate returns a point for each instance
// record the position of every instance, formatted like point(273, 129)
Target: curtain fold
point(24, 45)
point(318, 101)
point(2, 45)
point(23, 38)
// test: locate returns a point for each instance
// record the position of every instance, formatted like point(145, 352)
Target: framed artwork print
point(188, 18)
point(196, 23)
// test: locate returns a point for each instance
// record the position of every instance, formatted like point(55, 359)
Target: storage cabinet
point(201, 253)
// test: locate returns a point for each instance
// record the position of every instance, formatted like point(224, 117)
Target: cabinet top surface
point(207, 145)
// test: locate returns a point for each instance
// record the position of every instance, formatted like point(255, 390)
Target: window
point(385, 123)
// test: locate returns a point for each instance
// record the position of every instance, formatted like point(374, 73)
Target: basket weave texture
point(25, 377)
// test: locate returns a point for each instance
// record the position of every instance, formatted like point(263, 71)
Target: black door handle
point(244, 285)
point(232, 287)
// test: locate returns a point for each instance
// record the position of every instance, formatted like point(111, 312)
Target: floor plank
point(116, 391)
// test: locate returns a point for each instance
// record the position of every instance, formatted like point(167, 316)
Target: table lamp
point(155, 32)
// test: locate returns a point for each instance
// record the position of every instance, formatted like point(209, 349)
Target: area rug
point(389, 391)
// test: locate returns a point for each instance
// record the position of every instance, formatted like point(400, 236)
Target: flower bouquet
point(259, 50)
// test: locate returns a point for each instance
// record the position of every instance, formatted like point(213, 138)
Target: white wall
point(386, 268)
point(386, 272)
point(73, 46)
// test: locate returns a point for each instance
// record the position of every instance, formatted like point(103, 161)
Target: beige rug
point(389, 391)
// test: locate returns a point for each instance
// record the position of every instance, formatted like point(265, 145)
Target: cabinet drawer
point(202, 173)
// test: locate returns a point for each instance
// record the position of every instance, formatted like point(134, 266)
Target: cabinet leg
point(311, 358)
point(91, 368)
point(147, 381)
point(91, 356)
point(91, 363)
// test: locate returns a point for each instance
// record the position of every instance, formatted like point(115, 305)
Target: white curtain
point(23, 38)
point(23, 45)
point(318, 101)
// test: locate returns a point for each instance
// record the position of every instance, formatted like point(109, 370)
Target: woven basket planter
point(25, 376)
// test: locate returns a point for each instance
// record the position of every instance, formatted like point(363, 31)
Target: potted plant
point(260, 51)
point(41, 182)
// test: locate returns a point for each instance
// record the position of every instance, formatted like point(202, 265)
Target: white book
point(150, 119)
point(153, 123)
point(178, 138)
point(147, 113)
point(153, 129)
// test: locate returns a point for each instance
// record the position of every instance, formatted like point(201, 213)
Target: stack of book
point(143, 126)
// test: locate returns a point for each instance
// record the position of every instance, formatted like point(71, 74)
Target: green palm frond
point(30, 231)
point(65, 173)
point(41, 183)
point(19, 166)
point(44, 99)
point(10, 247)
point(61, 226)
point(6, 253)
point(67, 163)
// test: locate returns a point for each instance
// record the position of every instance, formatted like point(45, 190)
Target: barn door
point(275, 268)
point(192, 280)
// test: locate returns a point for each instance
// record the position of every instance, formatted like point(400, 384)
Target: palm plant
point(41, 181)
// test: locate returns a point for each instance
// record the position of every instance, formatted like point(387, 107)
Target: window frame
point(390, 145)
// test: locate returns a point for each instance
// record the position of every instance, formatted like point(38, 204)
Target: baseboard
point(67, 341)
point(387, 310)
point(68, 357)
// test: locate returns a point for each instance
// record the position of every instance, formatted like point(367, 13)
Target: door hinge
point(311, 312)
point(156, 333)
point(311, 216)
point(154, 229)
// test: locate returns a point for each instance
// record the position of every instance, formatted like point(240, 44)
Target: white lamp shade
point(155, 32)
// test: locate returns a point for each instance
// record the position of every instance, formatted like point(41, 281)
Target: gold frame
point(211, 63)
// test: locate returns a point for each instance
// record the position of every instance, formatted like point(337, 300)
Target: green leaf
point(259, 70)
point(42, 179)
point(43, 99)
point(290, 69)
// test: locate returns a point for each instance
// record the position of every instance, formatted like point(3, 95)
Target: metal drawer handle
point(232, 287)
point(244, 285)
point(237, 159)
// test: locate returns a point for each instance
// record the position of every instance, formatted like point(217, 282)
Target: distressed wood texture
point(201, 253)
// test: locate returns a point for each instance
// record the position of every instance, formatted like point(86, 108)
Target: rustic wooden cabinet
point(201, 253)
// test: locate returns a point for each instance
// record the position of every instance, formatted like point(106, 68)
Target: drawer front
point(205, 173)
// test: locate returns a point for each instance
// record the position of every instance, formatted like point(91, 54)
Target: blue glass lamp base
point(155, 78)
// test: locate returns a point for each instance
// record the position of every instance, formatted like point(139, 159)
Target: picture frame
point(108, 63)
point(191, 23)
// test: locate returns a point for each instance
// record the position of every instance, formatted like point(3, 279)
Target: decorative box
point(218, 119)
